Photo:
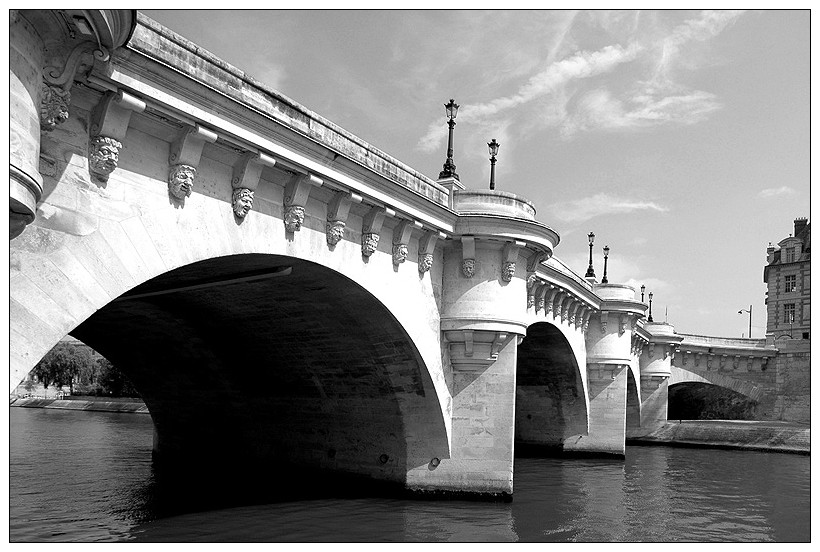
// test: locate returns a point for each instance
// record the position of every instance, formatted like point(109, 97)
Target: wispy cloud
point(601, 204)
point(773, 192)
point(634, 82)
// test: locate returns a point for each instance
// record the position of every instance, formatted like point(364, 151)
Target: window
point(791, 283)
point(805, 335)
point(788, 313)
point(790, 254)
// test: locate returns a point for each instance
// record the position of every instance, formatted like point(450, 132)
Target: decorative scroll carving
point(550, 298)
point(427, 245)
point(572, 310)
point(468, 256)
point(538, 295)
point(54, 102)
point(103, 155)
point(565, 308)
point(535, 260)
point(586, 320)
point(558, 305)
point(55, 95)
point(371, 227)
point(697, 359)
point(604, 318)
point(242, 201)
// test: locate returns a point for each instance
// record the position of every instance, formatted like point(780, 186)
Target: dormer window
point(789, 254)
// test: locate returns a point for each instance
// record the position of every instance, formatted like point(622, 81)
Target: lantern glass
point(452, 109)
point(650, 295)
point(493, 147)
point(643, 288)
point(591, 237)
point(606, 251)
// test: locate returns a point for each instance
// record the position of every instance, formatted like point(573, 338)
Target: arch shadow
point(550, 397)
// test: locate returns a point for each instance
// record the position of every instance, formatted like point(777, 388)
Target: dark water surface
point(87, 476)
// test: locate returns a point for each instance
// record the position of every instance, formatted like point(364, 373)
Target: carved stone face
point(181, 180)
point(334, 231)
point(508, 271)
point(399, 253)
point(531, 280)
point(468, 268)
point(370, 242)
point(425, 262)
point(242, 201)
point(294, 217)
point(53, 106)
point(103, 155)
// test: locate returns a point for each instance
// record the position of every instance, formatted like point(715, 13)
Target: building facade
point(788, 275)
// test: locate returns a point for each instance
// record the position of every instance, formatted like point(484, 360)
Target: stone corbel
point(565, 307)
point(297, 191)
point(572, 310)
point(698, 357)
point(535, 261)
point(183, 158)
point(338, 210)
point(475, 350)
point(587, 317)
point(549, 307)
point(401, 237)
point(604, 318)
point(651, 350)
point(749, 363)
point(55, 91)
point(371, 228)
point(427, 245)
point(246, 174)
point(623, 321)
point(468, 256)
point(538, 294)
point(509, 256)
point(557, 304)
point(109, 123)
point(722, 360)
point(736, 362)
point(579, 316)
point(683, 358)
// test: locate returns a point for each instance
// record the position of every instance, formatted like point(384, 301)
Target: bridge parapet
point(699, 352)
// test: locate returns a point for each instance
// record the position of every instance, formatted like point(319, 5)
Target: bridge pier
point(655, 363)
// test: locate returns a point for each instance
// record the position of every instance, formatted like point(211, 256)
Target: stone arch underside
point(694, 396)
point(252, 361)
point(745, 388)
point(550, 402)
point(633, 401)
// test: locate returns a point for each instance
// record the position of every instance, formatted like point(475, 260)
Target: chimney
point(799, 225)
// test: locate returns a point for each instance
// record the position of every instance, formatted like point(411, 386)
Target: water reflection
point(87, 476)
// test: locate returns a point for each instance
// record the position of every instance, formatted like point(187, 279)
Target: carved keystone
point(109, 123)
point(184, 156)
point(371, 228)
point(296, 195)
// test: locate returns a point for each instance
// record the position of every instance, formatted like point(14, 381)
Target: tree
point(63, 364)
point(112, 381)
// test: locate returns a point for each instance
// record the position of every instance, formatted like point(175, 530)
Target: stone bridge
point(282, 292)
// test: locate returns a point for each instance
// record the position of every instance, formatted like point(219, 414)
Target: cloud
point(600, 204)
point(772, 192)
point(582, 65)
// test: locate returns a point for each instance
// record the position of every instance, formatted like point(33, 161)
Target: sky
point(680, 138)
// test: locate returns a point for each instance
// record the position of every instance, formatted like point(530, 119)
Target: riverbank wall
point(731, 434)
point(130, 406)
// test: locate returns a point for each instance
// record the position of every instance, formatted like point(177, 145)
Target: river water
point(87, 476)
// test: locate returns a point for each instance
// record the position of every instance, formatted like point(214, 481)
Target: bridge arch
point(86, 279)
point(551, 393)
point(711, 395)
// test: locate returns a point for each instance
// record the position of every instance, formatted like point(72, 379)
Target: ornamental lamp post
point(643, 288)
point(449, 167)
point(650, 307)
point(590, 270)
point(741, 311)
point(606, 256)
point(493, 152)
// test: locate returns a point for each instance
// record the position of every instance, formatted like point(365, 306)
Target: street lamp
point(493, 152)
point(643, 288)
point(650, 307)
point(590, 270)
point(741, 311)
point(606, 256)
point(450, 167)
